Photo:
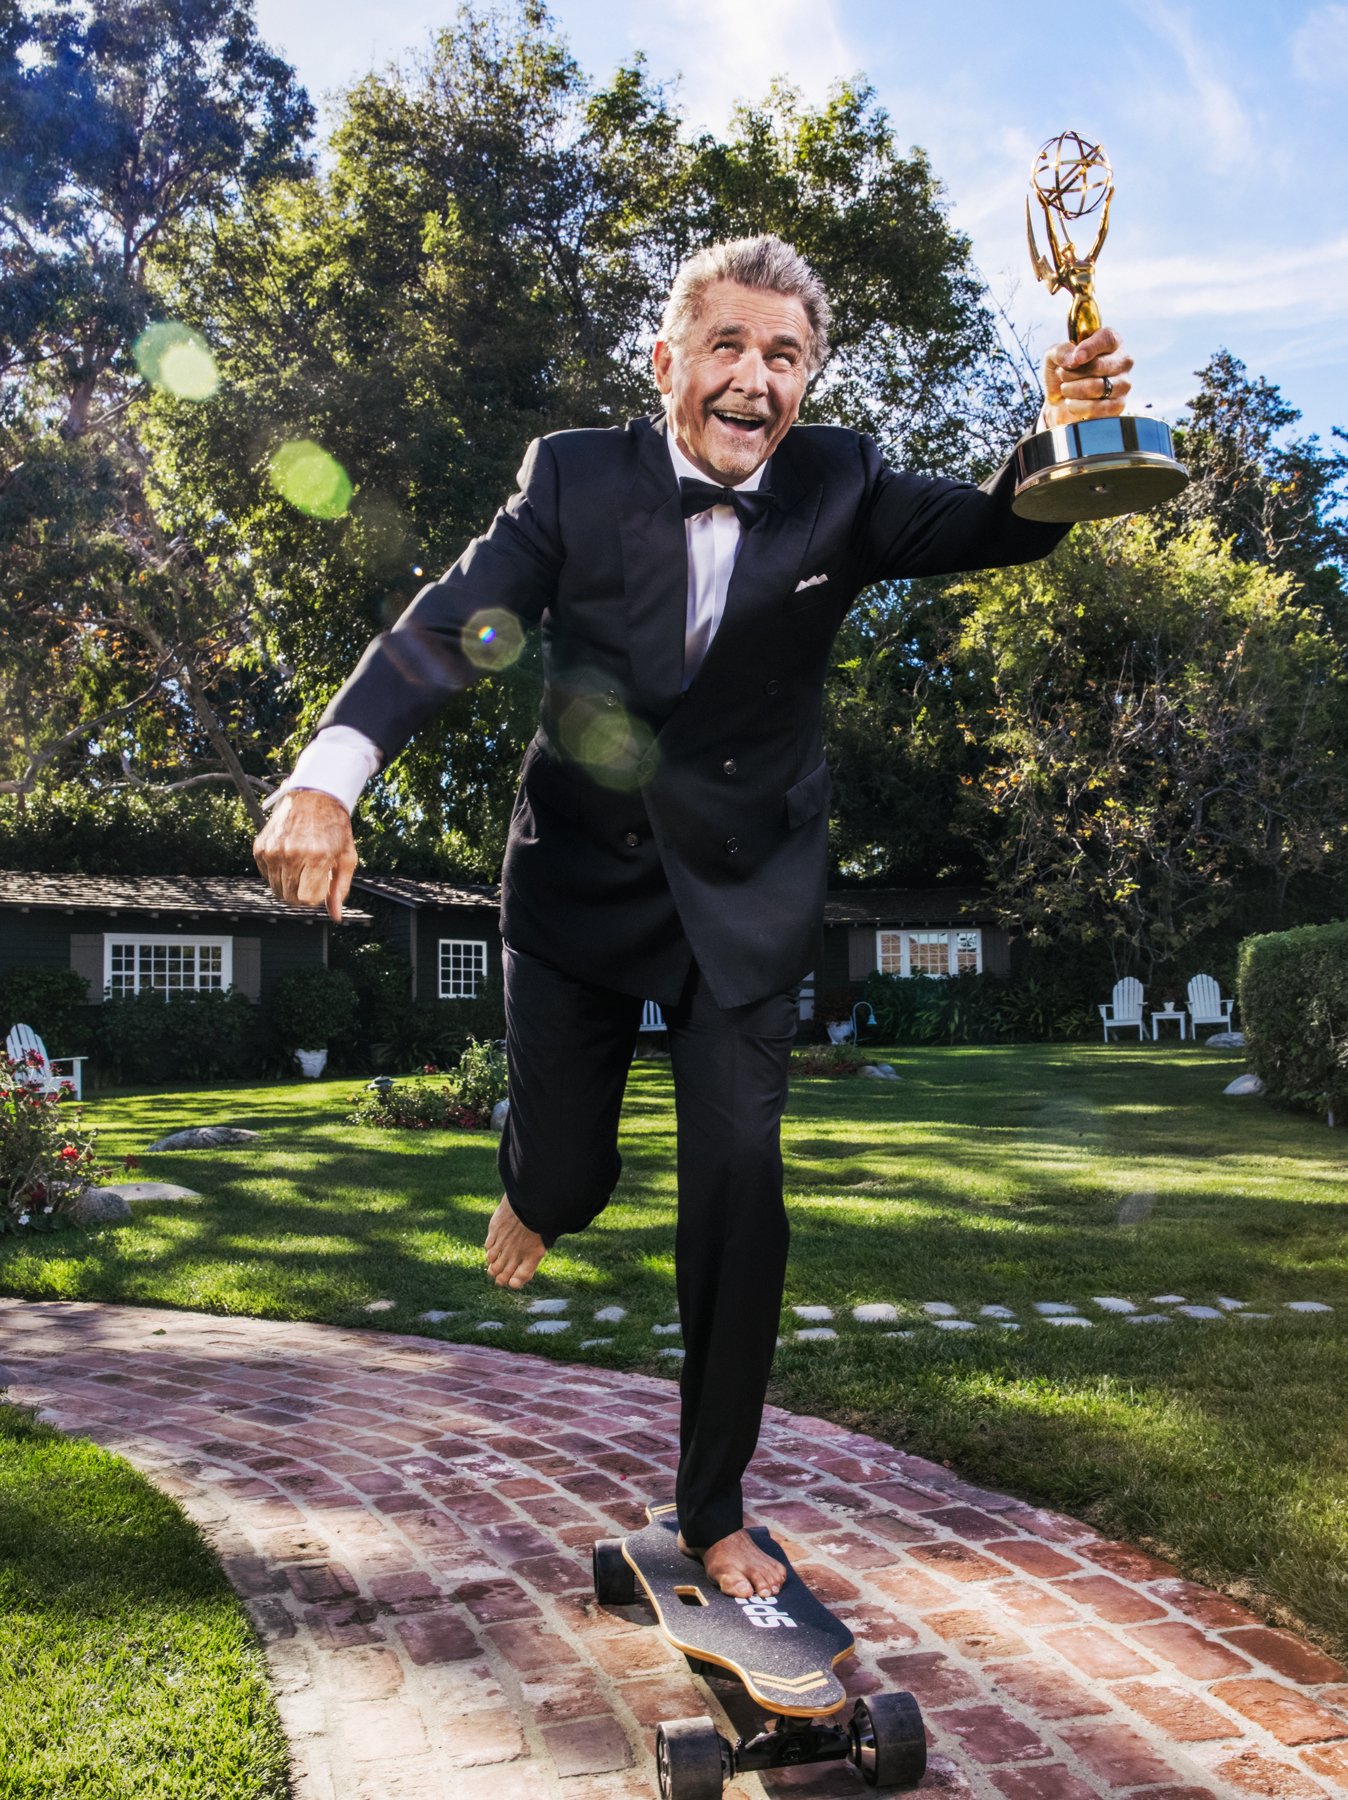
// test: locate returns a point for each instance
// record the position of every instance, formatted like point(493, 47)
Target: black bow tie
point(750, 505)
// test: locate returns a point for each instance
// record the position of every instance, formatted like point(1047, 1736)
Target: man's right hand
point(306, 852)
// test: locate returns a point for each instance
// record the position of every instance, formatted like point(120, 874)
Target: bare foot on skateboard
point(513, 1251)
point(739, 1567)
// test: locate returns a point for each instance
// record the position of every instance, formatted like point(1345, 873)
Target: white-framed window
point(463, 967)
point(942, 952)
point(806, 1001)
point(136, 962)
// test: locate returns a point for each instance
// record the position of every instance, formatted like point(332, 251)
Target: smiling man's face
point(735, 383)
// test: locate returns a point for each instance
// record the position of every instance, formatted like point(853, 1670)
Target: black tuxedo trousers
point(671, 843)
point(570, 1044)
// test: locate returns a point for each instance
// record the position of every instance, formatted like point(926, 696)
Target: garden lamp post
point(861, 1005)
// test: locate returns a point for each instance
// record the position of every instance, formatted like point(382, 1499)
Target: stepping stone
point(939, 1309)
point(874, 1313)
point(954, 1325)
point(1252, 1315)
point(1167, 1299)
point(881, 1072)
point(492, 1325)
point(1069, 1319)
point(436, 1317)
point(1307, 1306)
point(813, 1312)
point(1111, 1303)
point(675, 1353)
point(594, 1343)
point(1201, 1312)
point(1244, 1084)
point(610, 1315)
point(203, 1137)
point(1007, 1325)
point(379, 1306)
point(1053, 1309)
point(547, 1327)
point(1150, 1319)
point(547, 1306)
point(152, 1190)
point(813, 1333)
point(1229, 1305)
point(996, 1312)
point(665, 1330)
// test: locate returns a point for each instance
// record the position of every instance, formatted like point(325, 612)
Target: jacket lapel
point(655, 572)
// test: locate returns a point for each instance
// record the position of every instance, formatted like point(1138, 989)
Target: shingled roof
point(908, 906)
point(407, 892)
point(191, 896)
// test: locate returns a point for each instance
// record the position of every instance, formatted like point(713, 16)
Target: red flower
point(70, 1154)
point(130, 1162)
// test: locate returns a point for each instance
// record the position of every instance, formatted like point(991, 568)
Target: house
point(905, 931)
point(449, 933)
point(126, 933)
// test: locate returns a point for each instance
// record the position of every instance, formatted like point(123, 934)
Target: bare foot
point(513, 1251)
point(739, 1567)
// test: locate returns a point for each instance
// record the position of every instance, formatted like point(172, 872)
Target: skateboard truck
point(782, 1651)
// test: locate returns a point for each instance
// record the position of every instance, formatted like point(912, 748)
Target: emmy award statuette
point(1095, 468)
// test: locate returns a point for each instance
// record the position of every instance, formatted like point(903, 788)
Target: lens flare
point(176, 360)
point(493, 638)
point(311, 479)
point(617, 750)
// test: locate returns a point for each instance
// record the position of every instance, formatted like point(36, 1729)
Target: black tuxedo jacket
point(652, 824)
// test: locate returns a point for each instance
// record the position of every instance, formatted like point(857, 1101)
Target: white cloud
point(1320, 47)
point(1249, 282)
point(730, 53)
point(1226, 134)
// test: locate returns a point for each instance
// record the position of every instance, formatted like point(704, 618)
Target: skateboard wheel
point(889, 1745)
point(688, 1760)
point(614, 1582)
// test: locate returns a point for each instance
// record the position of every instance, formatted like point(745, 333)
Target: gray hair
point(755, 262)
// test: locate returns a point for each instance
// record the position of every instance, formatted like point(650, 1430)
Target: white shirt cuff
point(339, 761)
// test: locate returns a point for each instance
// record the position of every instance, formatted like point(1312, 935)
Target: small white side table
point(1170, 1015)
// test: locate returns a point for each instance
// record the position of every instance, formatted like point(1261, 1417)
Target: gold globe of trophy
point(1095, 468)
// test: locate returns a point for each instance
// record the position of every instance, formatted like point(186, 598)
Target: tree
point(1279, 502)
point(485, 260)
point(1167, 727)
point(118, 124)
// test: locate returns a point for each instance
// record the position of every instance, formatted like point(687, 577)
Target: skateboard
point(781, 1650)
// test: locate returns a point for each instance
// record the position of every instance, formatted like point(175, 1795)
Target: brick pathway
point(409, 1523)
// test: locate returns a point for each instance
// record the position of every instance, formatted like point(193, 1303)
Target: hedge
point(1293, 988)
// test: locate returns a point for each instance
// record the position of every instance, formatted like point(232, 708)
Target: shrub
point(155, 1038)
point(312, 1008)
point(47, 1158)
point(1293, 990)
point(828, 1059)
point(383, 982)
point(52, 1001)
point(1042, 1009)
point(439, 1031)
point(931, 1009)
point(463, 1098)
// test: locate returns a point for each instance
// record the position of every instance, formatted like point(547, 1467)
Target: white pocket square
point(811, 581)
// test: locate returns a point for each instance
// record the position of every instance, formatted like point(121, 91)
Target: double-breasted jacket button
point(772, 687)
point(732, 845)
point(632, 840)
point(729, 766)
point(610, 698)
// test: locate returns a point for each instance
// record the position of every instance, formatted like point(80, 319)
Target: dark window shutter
point(861, 958)
point(86, 959)
point(248, 967)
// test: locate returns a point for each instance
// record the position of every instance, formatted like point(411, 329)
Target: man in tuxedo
point(669, 840)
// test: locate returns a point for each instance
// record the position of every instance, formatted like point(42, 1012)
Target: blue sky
point(1226, 121)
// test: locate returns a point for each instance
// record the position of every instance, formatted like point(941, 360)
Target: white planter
point(312, 1062)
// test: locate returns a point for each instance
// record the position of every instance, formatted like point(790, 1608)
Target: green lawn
point(128, 1670)
point(989, 1175)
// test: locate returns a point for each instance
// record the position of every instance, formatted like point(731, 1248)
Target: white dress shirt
point(340, 760)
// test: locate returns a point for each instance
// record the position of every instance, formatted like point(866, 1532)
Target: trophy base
point(1096, 469)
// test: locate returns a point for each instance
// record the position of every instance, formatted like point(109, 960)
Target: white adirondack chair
point(1124, 1011)
point(24, 1042)
point(1207, 1006)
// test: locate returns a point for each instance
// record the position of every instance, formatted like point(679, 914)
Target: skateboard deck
point(783, 1649)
